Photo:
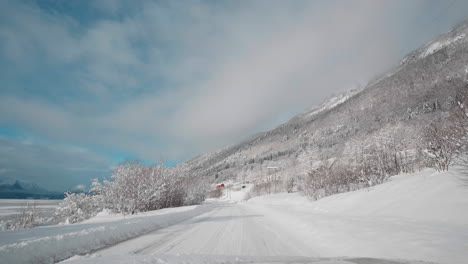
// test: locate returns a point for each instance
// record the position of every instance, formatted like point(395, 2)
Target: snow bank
point(53, 243)
point(423, 196)
point(420, 216)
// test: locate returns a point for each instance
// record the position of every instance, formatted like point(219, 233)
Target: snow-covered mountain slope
point(450, 40)
point(378, 225)
point(400, 102)
point(329, 103)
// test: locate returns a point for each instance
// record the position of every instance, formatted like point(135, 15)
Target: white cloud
point(81, 187)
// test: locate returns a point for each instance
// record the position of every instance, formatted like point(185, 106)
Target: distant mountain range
point(17, 189)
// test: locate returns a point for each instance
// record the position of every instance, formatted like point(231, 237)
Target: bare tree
point(289, 184)
point(439, 145)
point(459, 121)
point(446, 138)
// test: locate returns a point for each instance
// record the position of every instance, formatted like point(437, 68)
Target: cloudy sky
point(87, 84)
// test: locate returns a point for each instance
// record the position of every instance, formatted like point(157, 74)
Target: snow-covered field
point(11, 207)
point(415, 217)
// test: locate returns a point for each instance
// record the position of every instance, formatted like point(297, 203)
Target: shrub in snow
point(132, 188)
point(28, 217)
point(77, 207)
point(135, 188)
point(324, 180)
point(332, 178)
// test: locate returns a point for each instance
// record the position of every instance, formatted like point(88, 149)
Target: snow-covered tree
point(441, 143)
point(135, 188)
point(132, 188)
point(77, 207)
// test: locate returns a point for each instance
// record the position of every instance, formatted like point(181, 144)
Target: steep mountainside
point(397, 105)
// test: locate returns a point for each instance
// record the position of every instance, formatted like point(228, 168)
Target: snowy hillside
point(399, 104)
point(449, 40)
point(330, 103)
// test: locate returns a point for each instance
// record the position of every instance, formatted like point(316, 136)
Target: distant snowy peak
point(19, 189)
point(14, 184)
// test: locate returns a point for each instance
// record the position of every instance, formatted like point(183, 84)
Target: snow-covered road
point(231, 229)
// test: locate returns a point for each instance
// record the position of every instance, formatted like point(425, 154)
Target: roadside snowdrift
point(52, 243)
point(421, 216)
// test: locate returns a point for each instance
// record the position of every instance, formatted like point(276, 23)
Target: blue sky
point(88, 84)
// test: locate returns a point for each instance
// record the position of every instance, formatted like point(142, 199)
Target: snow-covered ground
point(420, 216)
point(11, 207)
point(52, 243)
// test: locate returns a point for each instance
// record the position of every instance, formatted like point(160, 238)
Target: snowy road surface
point(231, 229)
